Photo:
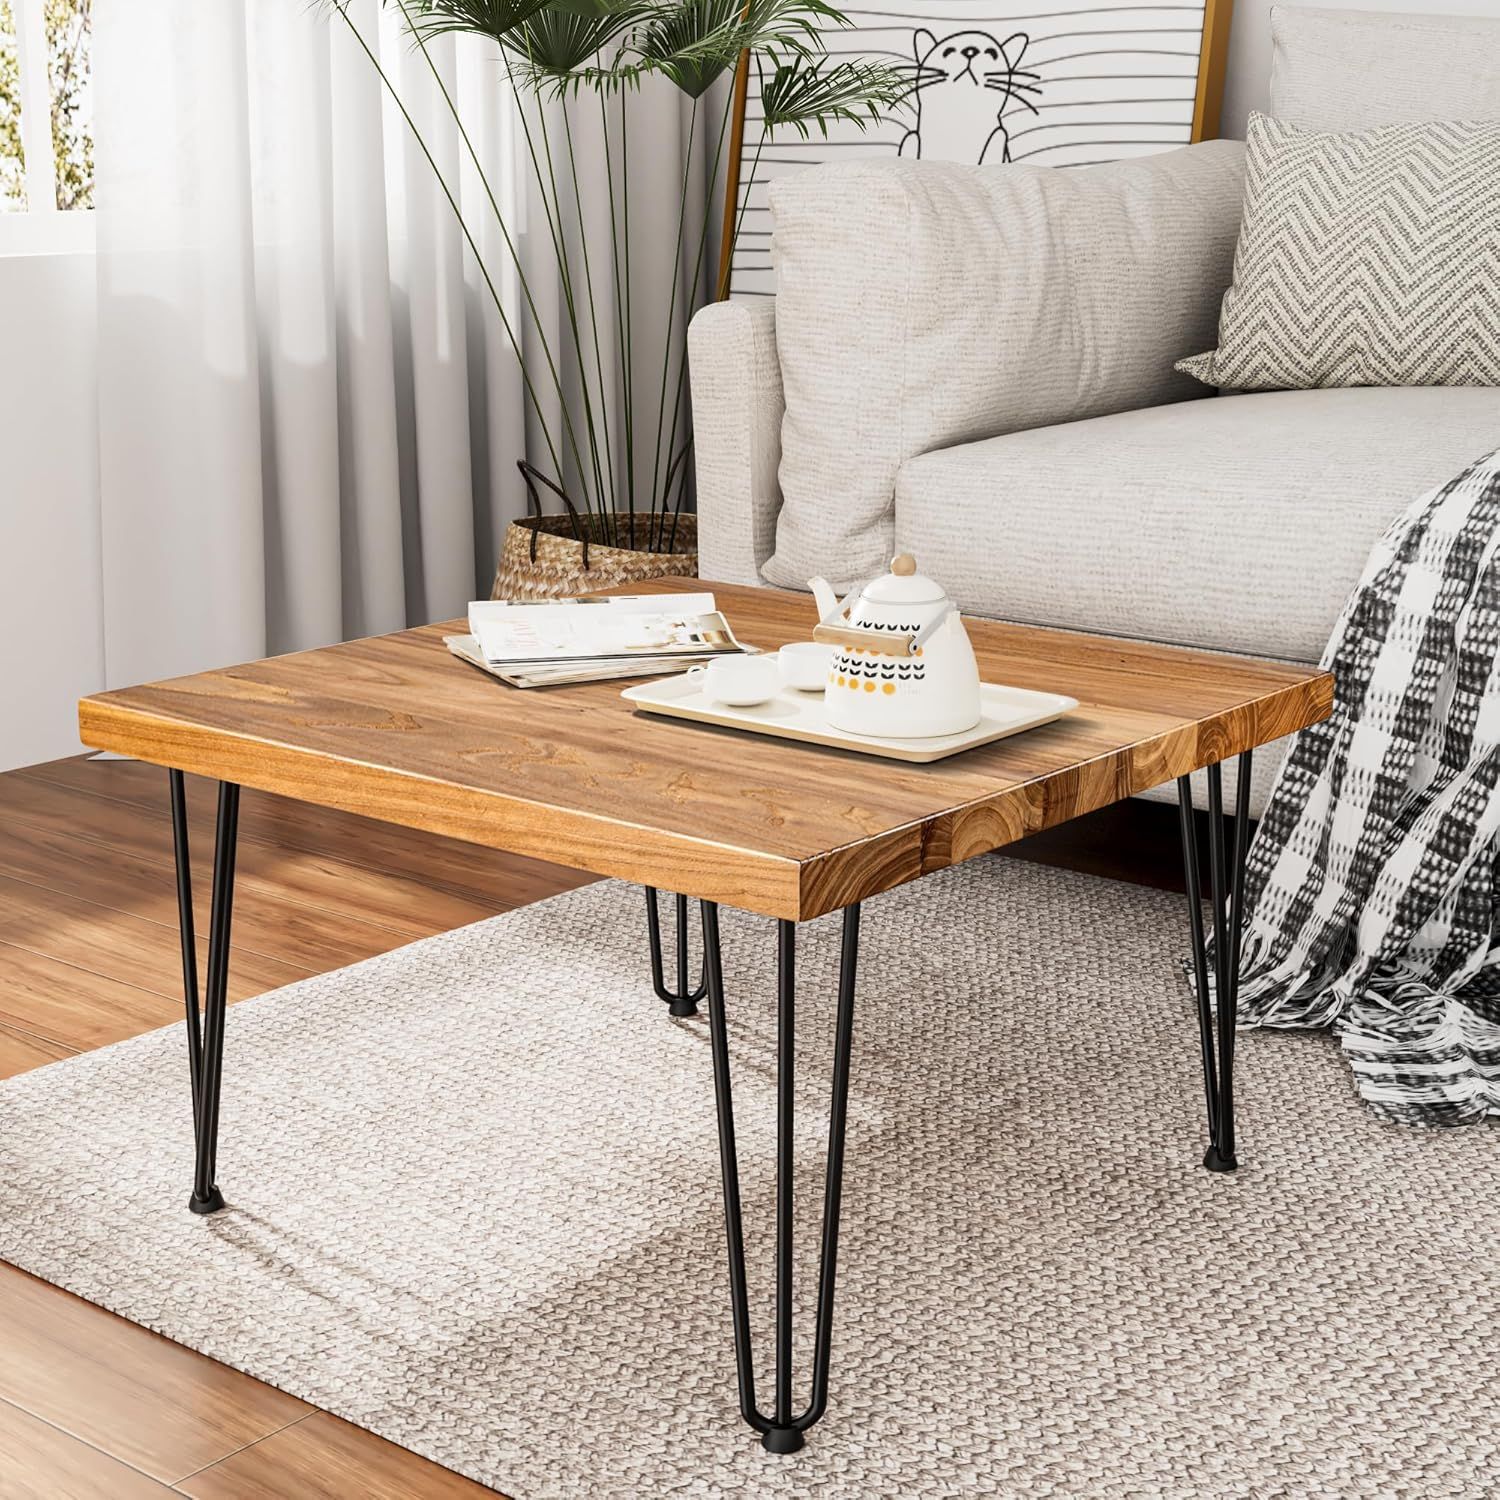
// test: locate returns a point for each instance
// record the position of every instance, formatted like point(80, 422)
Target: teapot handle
point(930, 628)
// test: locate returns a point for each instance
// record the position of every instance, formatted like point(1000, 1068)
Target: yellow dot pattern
point(851, 671)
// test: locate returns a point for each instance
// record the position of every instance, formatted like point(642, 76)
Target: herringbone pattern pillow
point(1367, 257)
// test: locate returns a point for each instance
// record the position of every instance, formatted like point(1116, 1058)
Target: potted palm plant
point(554, 52)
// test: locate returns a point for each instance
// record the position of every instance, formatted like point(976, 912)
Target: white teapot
point(903, 667)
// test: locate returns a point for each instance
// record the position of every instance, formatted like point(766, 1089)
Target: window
point(46, 124)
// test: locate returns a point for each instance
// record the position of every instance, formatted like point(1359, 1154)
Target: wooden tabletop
point(397, 728)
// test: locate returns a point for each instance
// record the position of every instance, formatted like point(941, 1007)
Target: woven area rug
point(474, 1207)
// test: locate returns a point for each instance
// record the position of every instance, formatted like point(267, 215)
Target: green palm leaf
point(551, 40)
point(497, 19)
point(783, 26)
point(800, 94)
point(552, 50)
point(677, 41)
point(554, 46)
point(697, 41)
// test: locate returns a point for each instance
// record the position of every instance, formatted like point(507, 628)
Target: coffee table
point(395, 728)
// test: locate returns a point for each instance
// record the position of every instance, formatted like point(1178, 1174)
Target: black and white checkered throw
point(1371, 889)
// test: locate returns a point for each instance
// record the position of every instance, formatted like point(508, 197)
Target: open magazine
point(593, 638)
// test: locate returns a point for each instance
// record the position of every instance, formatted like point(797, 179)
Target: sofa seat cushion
point(1238, 523)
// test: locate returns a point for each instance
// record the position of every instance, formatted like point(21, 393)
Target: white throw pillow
point(922, 304)
point(1367, 257)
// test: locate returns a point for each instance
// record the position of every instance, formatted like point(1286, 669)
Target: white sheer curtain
point(309, 410)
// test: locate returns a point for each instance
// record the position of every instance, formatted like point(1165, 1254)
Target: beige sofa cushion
point(922, 304)
point(1348, 70)
point(1239, 524)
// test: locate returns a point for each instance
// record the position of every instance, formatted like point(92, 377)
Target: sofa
point(975, 365)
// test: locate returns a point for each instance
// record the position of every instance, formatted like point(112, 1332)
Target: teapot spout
point(826, 600)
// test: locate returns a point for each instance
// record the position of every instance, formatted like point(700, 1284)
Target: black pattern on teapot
point(853, 669)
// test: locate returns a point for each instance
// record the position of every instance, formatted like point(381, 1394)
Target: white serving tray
point(795, 715)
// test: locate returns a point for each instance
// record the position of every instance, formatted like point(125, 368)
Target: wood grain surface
point(325, 1458)
point(164, 1410)
point(41, 1462)
point(395, 728)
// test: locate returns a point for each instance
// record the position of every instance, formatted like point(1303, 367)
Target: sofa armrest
point(737, 407)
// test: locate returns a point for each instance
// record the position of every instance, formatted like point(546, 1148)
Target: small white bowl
point(805, 665)
point(738, 681)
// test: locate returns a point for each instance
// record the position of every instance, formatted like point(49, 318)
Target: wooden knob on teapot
point(904, 565)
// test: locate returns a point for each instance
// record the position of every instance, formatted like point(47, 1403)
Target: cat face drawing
point(966, 82)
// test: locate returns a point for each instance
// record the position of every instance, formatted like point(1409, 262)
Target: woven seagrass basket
point(544, 558)
point(557, 557)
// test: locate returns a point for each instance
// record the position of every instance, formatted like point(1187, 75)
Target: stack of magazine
point(593, 638)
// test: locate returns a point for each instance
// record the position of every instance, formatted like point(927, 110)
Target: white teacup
point(738, 681)
point(805, 665)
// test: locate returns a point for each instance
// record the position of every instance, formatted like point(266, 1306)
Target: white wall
point(1249, 75)
point(51, 628)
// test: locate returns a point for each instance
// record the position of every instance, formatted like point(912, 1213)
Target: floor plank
point(119, 945)
point(144, 1400)
point(37, 1462)
point(20, 1051)
point(323, 1458)
point(265, 924)
point(315, 878)
point(500, 880)
point(73, 1009)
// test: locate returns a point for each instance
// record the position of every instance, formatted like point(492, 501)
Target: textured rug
point(474, 1207)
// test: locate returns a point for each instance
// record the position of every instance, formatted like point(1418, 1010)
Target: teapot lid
point(904, 585)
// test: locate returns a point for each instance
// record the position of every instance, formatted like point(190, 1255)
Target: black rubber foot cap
point(1216, 1163)
point(781, 1440)
point(209, 1205)
point(681, 1008)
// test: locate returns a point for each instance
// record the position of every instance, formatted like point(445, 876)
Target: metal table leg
point(206, 1032)
point(1227, 881)
point(681, 1000)
point(782, 1431)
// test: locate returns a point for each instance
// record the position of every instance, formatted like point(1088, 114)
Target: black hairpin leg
point(1227, 882)
point(681, 1001)
point(206, 1032)
point(781, 1432)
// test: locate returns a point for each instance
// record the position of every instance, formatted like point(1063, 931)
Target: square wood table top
point(397, 728)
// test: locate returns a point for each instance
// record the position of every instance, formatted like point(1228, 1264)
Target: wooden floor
point(91, 1405)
